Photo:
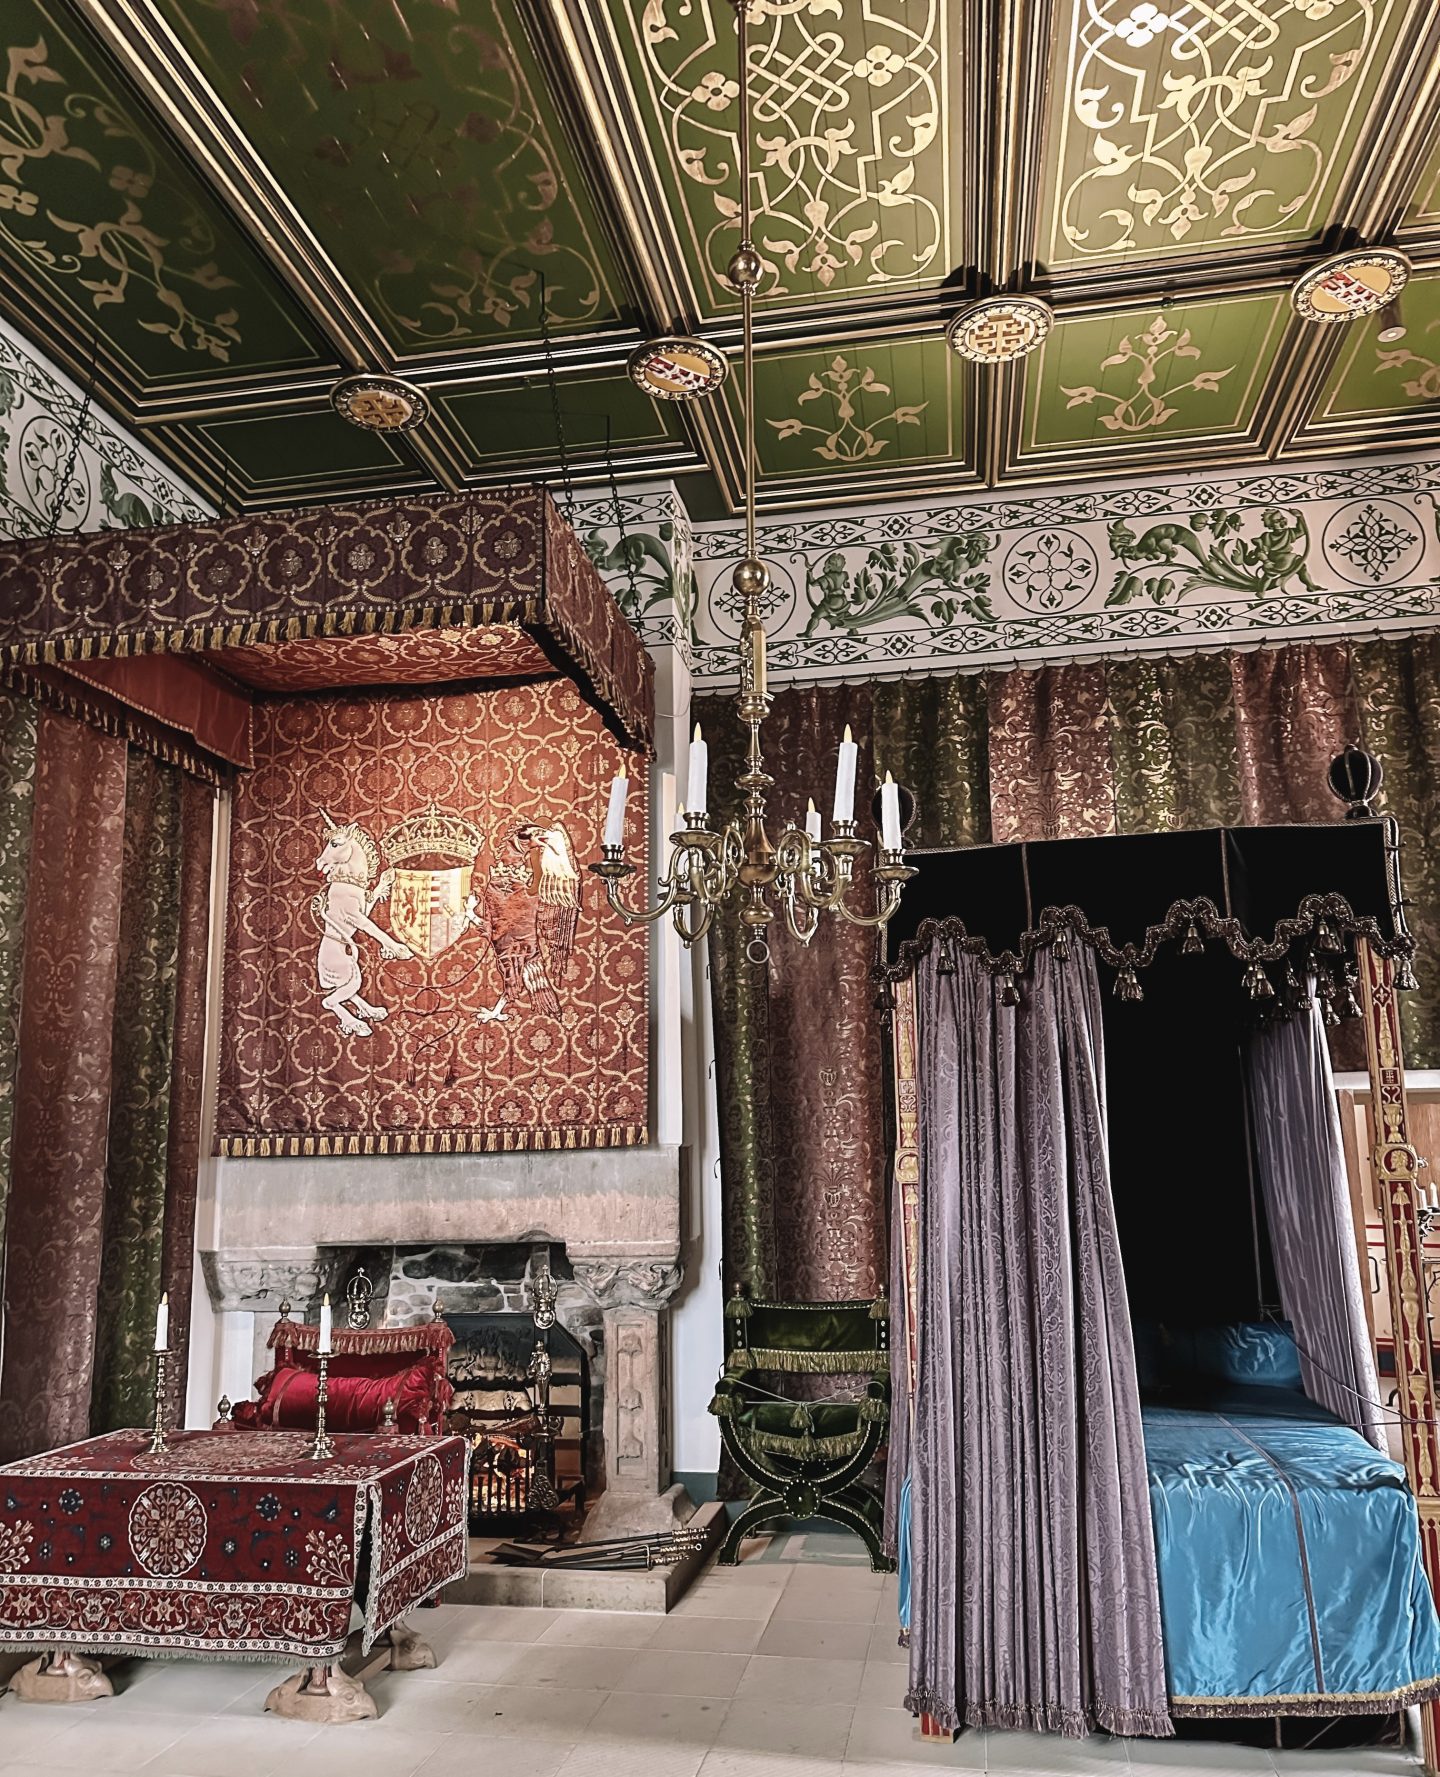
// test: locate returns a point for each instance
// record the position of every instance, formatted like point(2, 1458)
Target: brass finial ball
point(750, 578)
point(744, 268)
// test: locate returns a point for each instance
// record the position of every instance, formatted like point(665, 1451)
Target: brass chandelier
point(803, 874)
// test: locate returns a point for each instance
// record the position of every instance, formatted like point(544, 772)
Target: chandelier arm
point(640, 915)
point(889, 901)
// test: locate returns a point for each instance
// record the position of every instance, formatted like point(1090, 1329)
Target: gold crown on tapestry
point(433, 833)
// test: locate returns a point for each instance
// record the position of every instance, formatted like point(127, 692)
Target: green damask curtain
point(104, 887)
point(142, 1053)
point(1397, 687)
point(1136, 745)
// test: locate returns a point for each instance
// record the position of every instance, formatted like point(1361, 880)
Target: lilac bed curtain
point(1034, 1602)
point(1301, 1165)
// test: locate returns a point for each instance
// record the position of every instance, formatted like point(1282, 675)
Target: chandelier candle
point(890, 838)
point(845, 778)
point(615, 813)
point(696, 793)
point(799, 874)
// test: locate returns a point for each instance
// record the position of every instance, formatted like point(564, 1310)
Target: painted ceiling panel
point(1371, 381)
point(1212, 125)
point(245, 197)
point(1144, 379)
point(99, 211)
point(854, 172)
point(505, 425)
point(270, 452)
point(420, 144)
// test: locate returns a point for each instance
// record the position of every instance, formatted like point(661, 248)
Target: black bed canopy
point(1283, 896)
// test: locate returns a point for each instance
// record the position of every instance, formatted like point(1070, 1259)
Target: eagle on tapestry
point(526, 908)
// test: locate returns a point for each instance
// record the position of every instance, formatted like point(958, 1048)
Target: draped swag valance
point(1291, 896)
point(423, 590)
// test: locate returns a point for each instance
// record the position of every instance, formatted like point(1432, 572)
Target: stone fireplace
point(467, 1229)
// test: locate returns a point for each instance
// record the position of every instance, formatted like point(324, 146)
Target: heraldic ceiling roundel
point(412, 963)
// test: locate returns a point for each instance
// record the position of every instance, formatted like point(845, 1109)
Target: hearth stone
point(428, 1225)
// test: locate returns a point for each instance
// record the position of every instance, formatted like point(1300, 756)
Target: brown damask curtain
point(1131, 746)
point(799, 1057)
point(62, 1087)
point(111, 933)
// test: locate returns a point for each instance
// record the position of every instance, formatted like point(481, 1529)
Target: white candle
point(845, 778)
point(812, 821)
point(325, 1324)
point(699, 773)
point(615, 813)
point(162, 1323)
point(890, 836)
point(1434, 1197)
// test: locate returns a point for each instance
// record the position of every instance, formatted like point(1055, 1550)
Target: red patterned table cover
point(233, 1545)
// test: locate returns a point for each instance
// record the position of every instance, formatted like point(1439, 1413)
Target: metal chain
point(549, 350)
point(75, 436)
point(625, 553)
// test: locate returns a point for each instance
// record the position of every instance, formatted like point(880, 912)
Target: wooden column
point(1396, 1177)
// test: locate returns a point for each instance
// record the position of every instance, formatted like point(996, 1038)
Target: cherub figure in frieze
point(354, 885)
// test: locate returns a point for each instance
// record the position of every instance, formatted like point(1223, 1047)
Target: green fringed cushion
point(836, 1429)
point(815, 1338)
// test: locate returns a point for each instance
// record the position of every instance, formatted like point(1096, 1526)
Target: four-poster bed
point(1098, 1408)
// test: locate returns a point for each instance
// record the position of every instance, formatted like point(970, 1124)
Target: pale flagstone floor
point(780, 1668)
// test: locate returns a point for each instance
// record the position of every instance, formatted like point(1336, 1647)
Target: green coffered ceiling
point(231, 203)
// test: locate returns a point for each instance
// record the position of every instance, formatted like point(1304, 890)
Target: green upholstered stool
point(805, 1457)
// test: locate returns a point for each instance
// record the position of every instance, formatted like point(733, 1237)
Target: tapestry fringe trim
point(116, 719)
point(774, 1443)
point(428, 1336)
point(533, 614)
point(442, 1141)
point(282, 1653)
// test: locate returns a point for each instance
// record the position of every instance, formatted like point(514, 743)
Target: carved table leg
point(408, 1652)
point(325, 1694)
point(61, 1677)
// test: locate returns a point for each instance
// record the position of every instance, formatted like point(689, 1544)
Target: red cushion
point(358, 1388)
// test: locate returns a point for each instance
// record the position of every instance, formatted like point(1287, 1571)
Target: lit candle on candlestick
point(325, 1324)
point(845, 778)
point(615, 813)
point(812, 821)
point(890, 836)
point(699, 773)
point(162, 1323)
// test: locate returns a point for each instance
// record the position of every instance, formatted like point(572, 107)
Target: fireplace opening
point(522, 1399)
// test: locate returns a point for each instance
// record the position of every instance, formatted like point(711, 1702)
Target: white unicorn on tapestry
point(350, 864)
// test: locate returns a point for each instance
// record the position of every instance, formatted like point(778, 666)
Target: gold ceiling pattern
point(233, 205)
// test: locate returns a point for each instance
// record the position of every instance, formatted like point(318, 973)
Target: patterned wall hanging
point(416, 958)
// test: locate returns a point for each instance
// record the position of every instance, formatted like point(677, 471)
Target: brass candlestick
point(158, 1446)
point(322, 1449)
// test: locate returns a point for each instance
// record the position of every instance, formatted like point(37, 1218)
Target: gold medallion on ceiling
point(380, 403)
point(1351, 284)
point(998, 329)
point(677, 369)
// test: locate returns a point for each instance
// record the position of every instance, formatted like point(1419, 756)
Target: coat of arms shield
point(427, 908)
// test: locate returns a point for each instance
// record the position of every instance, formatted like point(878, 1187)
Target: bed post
point(1396, 1181)
point(905, 1038)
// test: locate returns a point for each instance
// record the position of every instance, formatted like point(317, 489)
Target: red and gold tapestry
point(417, 959)
point(231, 1545)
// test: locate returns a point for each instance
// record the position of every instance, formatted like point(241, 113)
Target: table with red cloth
point(232, 1545)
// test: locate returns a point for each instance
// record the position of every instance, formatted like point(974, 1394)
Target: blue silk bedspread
point(1289, 1560)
